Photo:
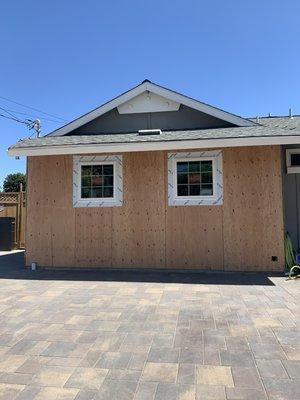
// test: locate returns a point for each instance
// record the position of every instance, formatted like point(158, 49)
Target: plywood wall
point(145, 232)
point(138, 234)
point(252, 210)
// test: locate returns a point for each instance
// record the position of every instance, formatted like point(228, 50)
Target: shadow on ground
point(12, 267)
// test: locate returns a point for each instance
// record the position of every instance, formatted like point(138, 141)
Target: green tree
point(12, 182)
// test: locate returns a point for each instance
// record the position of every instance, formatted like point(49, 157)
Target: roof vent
point(149, 132)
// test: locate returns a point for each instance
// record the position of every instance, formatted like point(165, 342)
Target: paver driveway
point(83, 336)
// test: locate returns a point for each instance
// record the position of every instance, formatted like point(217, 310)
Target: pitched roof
point(282, 122)
point(160, 91)
point(279, 130)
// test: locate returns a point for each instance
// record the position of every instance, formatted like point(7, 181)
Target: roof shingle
point(268, 127)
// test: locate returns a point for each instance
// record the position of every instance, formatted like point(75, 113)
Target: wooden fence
point(14, 205)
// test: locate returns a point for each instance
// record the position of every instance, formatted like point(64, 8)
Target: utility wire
point(29, 115)
point(32, 108)
point(13, 119)
point(35, 125)
point(9, 113)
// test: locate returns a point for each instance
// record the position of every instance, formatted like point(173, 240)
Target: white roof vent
point(149, 131)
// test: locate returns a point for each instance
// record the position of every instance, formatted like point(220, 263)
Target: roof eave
point(152, 146)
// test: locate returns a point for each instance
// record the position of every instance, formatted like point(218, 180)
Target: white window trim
point(115, 201)
point(216, 199)
point(289, 168)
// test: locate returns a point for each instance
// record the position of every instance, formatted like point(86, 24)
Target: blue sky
point(67, 57)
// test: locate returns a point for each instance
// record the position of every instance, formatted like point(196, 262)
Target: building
point(155, 179)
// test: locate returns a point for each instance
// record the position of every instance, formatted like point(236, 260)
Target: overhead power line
point(31, 124)
point(29, 115)
point(32, 108)
point(9, 113)
point(13, 119)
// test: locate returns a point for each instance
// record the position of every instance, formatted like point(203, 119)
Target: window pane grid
point(97, 181)
point(194, 178)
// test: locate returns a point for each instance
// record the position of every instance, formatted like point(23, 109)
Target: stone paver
point(87, 378)
point(171, 391)
point(10, 391)
point(272, 369)
point(204, 392)
point(147, 335)
point(53, 393)
point(160, 372)
point(214, 375)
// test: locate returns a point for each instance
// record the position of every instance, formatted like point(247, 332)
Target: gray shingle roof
point(280, 122)
point(268, 127)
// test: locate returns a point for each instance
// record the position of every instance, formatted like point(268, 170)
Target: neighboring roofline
point(153, 146)
point(274, 117)
point(159, 90)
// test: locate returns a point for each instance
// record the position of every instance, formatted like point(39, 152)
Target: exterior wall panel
point(252, 210)
point(242, 234)
point(138, 228)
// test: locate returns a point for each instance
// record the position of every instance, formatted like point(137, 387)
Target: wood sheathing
point(242, 235)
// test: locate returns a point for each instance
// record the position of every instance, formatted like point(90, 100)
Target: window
point(293, 161)
point(97, 181)
point(195, 178)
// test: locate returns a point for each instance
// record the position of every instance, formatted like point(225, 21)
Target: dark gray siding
point(184, 118)
point(292, 206)
point(291, 193)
